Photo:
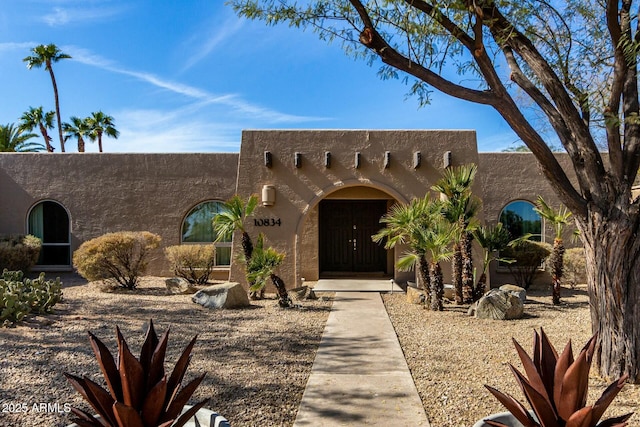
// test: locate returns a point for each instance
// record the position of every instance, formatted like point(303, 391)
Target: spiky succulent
point(556, 388)
point(140, 395)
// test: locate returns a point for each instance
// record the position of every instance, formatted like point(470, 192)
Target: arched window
point(49, 221)
point(520, 218)
point(197, 227)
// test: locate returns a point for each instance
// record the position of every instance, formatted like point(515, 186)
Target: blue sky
point(189, 76)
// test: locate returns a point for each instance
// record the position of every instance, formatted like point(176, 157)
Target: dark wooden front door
point(346, 227)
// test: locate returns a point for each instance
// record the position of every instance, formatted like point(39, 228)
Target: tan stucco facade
point(154, 192)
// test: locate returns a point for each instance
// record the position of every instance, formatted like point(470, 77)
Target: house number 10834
point(267, 222)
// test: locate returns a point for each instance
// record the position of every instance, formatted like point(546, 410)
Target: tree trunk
point(481, 287)
point(557, 264)
point(456, 271)
point(283, 296)
point(437, 288)
point(612, 252)
point(426, 280)
point(55, 95)
point(467, 267)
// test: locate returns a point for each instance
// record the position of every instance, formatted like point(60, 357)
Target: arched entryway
point(49, 221)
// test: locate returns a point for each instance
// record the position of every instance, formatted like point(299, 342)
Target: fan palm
point(46, 55)
point(78, 129)
point(13, 139)
point(437, 240)
point(492, 240)
point(558, 218)
point(460, 207)
point(262, 266)
point(101, 124)
point(37, 118)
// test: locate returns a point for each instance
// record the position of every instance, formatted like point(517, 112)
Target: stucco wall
point(114, 192)
point(299, 190)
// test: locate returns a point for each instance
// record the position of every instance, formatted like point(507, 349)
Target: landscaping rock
point(303, 293)
point(472, 309)
point(226, 295)
point(178, 285)
point(516, 290)
point(499, 305)
point(415, 295)
point(450, 292)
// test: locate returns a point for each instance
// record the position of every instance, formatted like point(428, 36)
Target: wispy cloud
point(232, 101)
point(10, 46)
point(69, 15)
point(203, 45)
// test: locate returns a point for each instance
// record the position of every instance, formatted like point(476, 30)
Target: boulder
point(516, 290)
point(303, 293)
point(499, 305)
point(415, 295)
point(178, 285)
point(450, 292)
point(225, 295)
point(472, 309)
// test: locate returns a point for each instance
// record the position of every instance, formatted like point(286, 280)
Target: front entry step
point(356, 285)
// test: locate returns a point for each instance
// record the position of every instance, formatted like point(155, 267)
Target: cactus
point(20, 296)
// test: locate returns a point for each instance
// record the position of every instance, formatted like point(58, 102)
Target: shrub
point(192, 262)
point(575, 267)
point(19, 253)
point(121, 257)
point(528, 256)
point(19, 296)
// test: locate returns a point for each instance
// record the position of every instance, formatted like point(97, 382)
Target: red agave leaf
point(80, 384)
point(531, 371)
point(581, 418)
point(107, 366)
point(516, 408)
point(182, 420)
point(574, 387)
point(564, 361)
point(620, 421)
point(131, 375)
point(127, 416)
point(539, 403)
point(156, 368)
point(181, 366)
point(154, 403)
point(103, 399)
point(607, 397)
point(180, 399)
point(548, 360)
point(85, 419)
point(149, 344)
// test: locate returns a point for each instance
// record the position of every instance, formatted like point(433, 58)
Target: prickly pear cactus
point(19, 296)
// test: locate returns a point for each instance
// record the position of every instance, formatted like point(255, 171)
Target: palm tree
point(36, 117)
point(437, 239)
point(101, 124)
point(78, 129)
point(492, 240)
point(46, 55)
point(460, 207)
point(262, 266)
point(403, 225)
point(558, 218)
point(13, 139)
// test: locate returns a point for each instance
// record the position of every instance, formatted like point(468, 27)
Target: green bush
point(528, 256)
point(575, 267)
point(20, 297)
point(192, 262)
point(121, 257)
point(19, 253)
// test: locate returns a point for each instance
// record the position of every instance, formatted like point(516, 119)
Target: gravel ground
point(257, 359)
point(451, 356)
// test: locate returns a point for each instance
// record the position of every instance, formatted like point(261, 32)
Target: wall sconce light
point(327, 159)
point(297, 159)
point(446, 162)
point(356, 163)
point(268, 159)
point(268, 195)
point(417, 159)
point(387, 159)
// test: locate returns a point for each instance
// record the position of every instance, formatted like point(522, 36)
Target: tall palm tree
point(262, 266)
point(460, 207)
point(36, 117)
point(101, 124)
point(46, 55)
point(78, 129)
point(558, 218)
point(403, 224)
point(12, 139)
point(437, 240)
point(492, 240)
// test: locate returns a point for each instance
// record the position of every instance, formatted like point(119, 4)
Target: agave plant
point(140, 395)
point(556, 388)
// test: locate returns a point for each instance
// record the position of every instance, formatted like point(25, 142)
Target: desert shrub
point(19, 253)
point(575, 267)
point(20, 297)
point(192, 262)
point(528, 256)
point(120, 257)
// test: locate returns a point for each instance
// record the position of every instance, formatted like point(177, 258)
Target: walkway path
point(359, 376)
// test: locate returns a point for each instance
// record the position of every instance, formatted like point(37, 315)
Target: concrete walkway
point(359, 376)
point(356, 285)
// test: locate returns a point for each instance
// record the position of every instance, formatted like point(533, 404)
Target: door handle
point(354, 244)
